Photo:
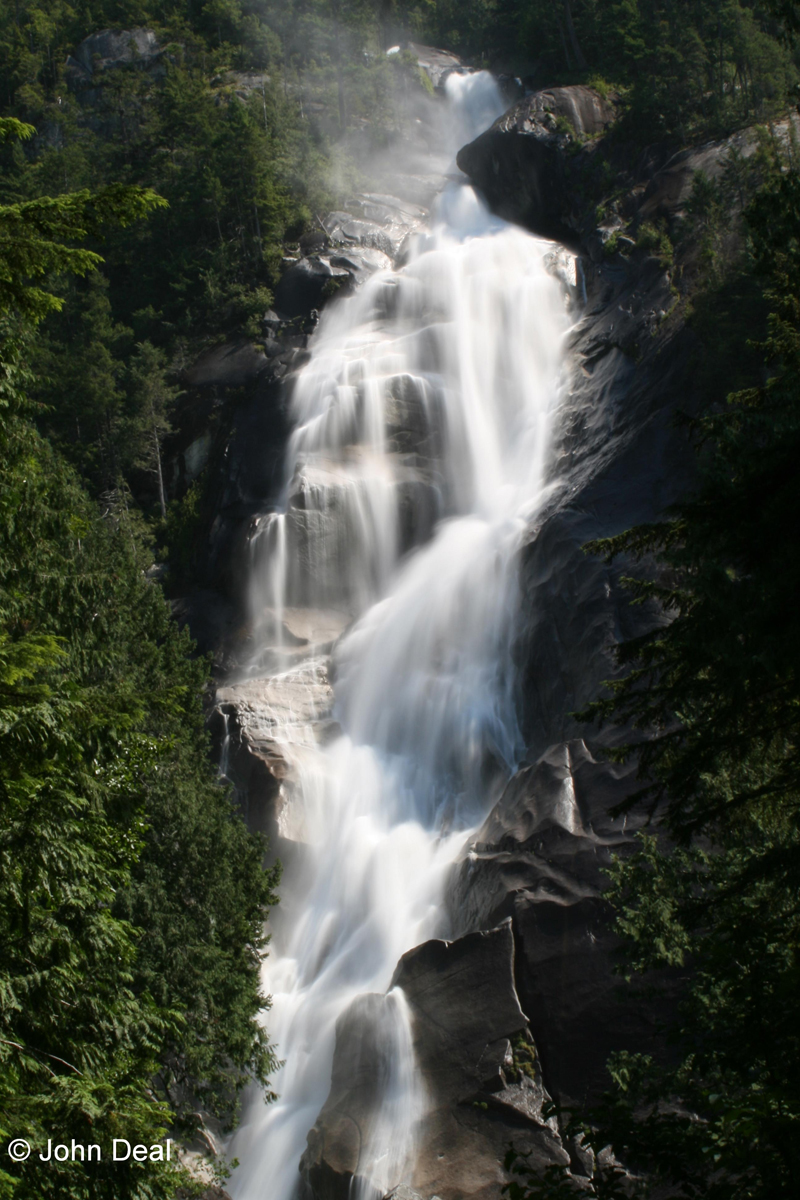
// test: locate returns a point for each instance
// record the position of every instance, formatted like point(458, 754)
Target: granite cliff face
point(520, 1006)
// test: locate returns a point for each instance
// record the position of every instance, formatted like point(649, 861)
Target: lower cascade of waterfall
point(421, 454)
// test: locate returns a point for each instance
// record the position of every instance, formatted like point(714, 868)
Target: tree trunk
point(573, 37)
point(162, 499)
point(567, 58)
point(264, 102)
point(337, 49)
point(342, 110)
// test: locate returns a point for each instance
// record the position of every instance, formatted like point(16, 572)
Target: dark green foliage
point(684, 67)
point(123, 861)
point(136, 898)
point(132, 899)
point(33, 235)
point(250, 123)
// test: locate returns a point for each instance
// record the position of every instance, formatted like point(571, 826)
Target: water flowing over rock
point(469, 1033)
point(421, 623)
point(422, 427)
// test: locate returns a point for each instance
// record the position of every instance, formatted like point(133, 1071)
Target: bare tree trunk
point(162, 498)
point(264, 102)
point(339, 76)
point(573, 37)
point(564, 45)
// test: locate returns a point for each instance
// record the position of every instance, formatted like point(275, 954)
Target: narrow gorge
point(423, 623)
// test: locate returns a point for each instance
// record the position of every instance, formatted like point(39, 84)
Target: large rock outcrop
point(110, 50)
point(478, 1064)
point(538, 861)
point(545, 164)
point(270, 726)
point(523, 164)
point(620, 460)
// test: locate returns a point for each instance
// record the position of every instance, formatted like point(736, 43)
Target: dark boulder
point(538, 859)
point(302, 285)
point(545, 164)
point(470, 1037)
point(521, 162)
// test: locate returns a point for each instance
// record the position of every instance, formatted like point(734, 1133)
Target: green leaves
point(132, 899)
point(34, 237)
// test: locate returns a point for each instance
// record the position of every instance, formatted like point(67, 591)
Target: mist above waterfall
point(418, 459)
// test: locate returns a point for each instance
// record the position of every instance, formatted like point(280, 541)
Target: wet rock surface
point(537, 860)
point(525, 998)
point(437, 64)
point(268, 726)
point(470, 1039)
point(234, 419)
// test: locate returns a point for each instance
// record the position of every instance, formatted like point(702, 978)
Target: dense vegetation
point(131, 898)
point(684, 68)
point(217, 124)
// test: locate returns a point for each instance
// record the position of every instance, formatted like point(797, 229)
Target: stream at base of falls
point(421, 454)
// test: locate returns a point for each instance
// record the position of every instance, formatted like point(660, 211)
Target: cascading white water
point(419, 460)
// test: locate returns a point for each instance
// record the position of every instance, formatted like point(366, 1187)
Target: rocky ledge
point(476, 1056)
point(524, 163)
point(549, 164)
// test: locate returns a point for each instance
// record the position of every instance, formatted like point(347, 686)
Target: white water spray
point(418, 461)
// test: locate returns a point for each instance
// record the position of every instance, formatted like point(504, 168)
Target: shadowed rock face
point(465, 1007)
point(470, 1035)
point(619, 460)
point(545, 165)
point(538, 860)
point(520, 163)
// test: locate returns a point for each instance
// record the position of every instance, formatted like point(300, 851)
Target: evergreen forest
point(144, 215)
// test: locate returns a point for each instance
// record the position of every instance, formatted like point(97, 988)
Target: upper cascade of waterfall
point(420, 454)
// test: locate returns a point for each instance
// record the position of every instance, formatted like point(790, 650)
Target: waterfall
point(418, 462)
